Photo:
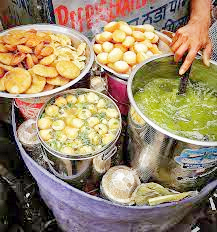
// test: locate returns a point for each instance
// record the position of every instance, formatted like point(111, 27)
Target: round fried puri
point(17, 81)
point(38, 84)
point(67, 69)
point(44, 71)
point(58, 81)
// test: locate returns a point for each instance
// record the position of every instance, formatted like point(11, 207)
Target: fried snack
point(2, 84)
point(6, 67)
point(111, 27)
point(58, 81)
point(97, 48)
point(48, 87)
point(106, 36)
point(17, 58)
point(115, 55)
point(17, 81)
point(46, 39)
point(67, 69)
point(11, 48)
point(149, 35)
point(140, 47)
point(126, 28)
point(118, 36)
point(14, 39)
point(102, 58)
point(138, 35)
point(29, 61)
point(107, 46)
point(2, 72)
point(121, 46)
point(121, 67)
point(38, 83)
point(33, 42)
point(34, 58)
point(46, 51)
point(39, 48)
point(48, 60)
point(129, 41)
point(81, 49)
point(44, 71)
point(3, 48)
point(130, 57)
point(5, 58)
point(154, 49)
point(24, 49)
point(140, 57)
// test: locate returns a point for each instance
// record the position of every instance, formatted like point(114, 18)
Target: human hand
point(191, 38)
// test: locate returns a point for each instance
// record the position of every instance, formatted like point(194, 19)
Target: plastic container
point(78, 211)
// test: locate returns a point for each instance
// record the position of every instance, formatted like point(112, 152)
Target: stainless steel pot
point(159, 154)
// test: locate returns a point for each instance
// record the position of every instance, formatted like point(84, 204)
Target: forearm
point(200, 11)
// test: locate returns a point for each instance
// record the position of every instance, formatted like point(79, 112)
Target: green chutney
point(193, 115)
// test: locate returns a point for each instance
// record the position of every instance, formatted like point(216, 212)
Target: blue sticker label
point(198, 159)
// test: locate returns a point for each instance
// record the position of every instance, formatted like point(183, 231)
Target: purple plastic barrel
point(77, 211)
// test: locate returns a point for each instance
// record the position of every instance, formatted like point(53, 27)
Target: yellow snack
point(119, 36)
point(44, 123)
point(2, 84)
point(107, 46)
point(5, 58)
point(102, 58)
point(130, 57)
point(154, 49)
point(44, 71)
point(98, 39)
point(46, 51)
point(24, 49)
point(111, 27)
point(140, 57)
point(155, 39)
point(37, 85)
point(129, 41)
point(138, 35)
point(59, 81)
point(67, 69)
point(17, 80)
point(140, 47)
point(115, 55)
point(17, 58)
point(106, 36)
point(60, 101)
point(121, 46)
point(45, 134)
point(149, 35)
point(126, 28)
point(48, 60)
point(121, 67)
point(97, 48)
point(3, 48)
point(6, 67)
point(48, 87)
point(29, 61)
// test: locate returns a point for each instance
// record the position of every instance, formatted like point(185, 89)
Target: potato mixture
point(34, 61)
point(121, 46)
point(79, 123)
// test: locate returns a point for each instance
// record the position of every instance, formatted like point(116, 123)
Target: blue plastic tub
point(77, 211)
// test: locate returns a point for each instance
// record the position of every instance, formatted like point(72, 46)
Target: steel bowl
point(107, 151)
point(163, 45)
point(76, 38)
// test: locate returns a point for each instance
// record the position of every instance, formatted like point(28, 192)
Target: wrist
point(206, 20)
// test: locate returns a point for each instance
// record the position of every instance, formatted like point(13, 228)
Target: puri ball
point(107, 46)
point(106, 36)
point(111, 27)
point(140, 57)
point(121, 66)
point(119, 36)
point(126, 28)
point(121, 46)
point(129, 41)
point(102, 58)
point(149, 35)
point(138, 35)
point(115, 55)
point(140, 47)
point(97, 48)
point(129, 57)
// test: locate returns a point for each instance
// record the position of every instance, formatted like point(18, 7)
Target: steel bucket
point(154, 151)
point(77, 211)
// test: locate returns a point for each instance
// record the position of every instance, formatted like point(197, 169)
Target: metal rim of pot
point(149, 121)
point(125, 77)
point(203, 192)
point(61, 30)
point(107, 151)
